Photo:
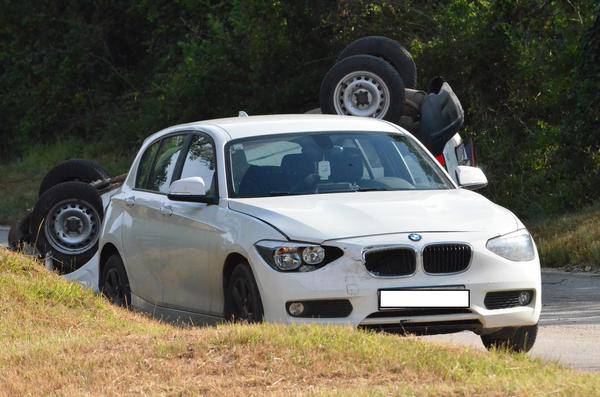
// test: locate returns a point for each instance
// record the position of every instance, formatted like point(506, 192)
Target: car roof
point(248, 126)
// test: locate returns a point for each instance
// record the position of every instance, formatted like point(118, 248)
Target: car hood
point(321, 217)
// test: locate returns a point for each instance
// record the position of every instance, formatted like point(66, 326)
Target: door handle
point(129, 201)
point(166, 210)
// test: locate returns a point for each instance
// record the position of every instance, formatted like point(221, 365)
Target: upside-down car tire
point(242, 298)
point(363, 85)
point(114, 283)
point(66, 223)
point(518, 340)
point(73, 170)
point(388, 49)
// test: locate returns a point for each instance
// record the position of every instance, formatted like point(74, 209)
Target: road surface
point(4, 236)
point(569, 326)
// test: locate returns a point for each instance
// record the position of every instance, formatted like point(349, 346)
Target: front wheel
point(114, 283)
point(242, 299)
point(518, 340)
point(363, 85)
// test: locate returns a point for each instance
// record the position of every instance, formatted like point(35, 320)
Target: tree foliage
point(527, 72)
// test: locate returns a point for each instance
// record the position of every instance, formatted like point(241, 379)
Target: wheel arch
point(232, 260)
point(108, 250)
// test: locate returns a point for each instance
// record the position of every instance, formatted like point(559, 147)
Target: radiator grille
point(446, 258)
point(391, 262)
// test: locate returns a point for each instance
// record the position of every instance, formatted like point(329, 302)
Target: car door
point(190, 240)
point(144, 215)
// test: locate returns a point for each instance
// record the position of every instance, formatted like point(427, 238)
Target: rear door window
point(145, 166)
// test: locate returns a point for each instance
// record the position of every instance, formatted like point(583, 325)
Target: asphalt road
point(569, 326)
point(3, 236)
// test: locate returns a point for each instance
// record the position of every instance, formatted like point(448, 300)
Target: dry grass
point(58, 339)
point(571, 240)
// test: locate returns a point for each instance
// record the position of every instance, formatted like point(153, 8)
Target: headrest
point(297, 163)
point(347, 165)
point(238, 158)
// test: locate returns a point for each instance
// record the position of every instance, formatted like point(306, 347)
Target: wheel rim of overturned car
point(362, 93)
point(72, 226)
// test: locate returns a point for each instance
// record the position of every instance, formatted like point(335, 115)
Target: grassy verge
point(571, 240)
point(56, 338)
point(20, 180)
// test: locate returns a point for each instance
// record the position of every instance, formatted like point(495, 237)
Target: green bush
point(115, 71)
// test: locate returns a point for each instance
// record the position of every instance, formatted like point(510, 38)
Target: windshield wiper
point(371, 189)
point(280, 193)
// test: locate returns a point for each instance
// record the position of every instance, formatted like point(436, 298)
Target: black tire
point(388, 49)
point(114, 283)
point(19, 233)
point(73, 170)
point(242, 298)
point(373, 68)
point(77, 207)
point(518, 340)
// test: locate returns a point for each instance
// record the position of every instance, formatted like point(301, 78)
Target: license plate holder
point(423, 298)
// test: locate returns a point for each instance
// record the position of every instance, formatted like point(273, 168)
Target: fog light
point(525, 298)
point(296, 309)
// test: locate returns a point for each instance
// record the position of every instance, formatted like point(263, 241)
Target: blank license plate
point(424, 298)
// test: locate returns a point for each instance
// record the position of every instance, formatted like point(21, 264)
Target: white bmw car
point(316, 219)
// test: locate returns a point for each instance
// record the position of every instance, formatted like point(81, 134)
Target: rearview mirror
point(471, 178)
point(192, 189)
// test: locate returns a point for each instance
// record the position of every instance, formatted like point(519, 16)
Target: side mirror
point(471, 178)
point(190, 189)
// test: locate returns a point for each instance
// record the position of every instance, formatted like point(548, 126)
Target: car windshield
point(337, 162)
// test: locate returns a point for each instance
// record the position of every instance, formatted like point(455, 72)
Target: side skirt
point(174, 316)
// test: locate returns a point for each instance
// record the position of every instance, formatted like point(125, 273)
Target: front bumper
point(347, 278)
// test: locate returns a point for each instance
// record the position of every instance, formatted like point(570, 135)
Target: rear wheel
point(73, 170)
point(114, 282)
point(518, 340)
point(389, 50)
point(66, 223)
point(242, 299)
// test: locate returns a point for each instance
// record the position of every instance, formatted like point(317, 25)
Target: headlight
point(288, 256)
point(516, 246)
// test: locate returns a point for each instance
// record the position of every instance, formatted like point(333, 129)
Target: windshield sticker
point(324, 170)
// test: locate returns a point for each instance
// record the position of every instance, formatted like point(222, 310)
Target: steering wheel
point(306, 185)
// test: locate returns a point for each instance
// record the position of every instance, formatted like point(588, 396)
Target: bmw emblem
point(414, 237)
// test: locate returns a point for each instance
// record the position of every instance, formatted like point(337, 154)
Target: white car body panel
point(88, 274)
point(175, 256)
point(379, 213)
